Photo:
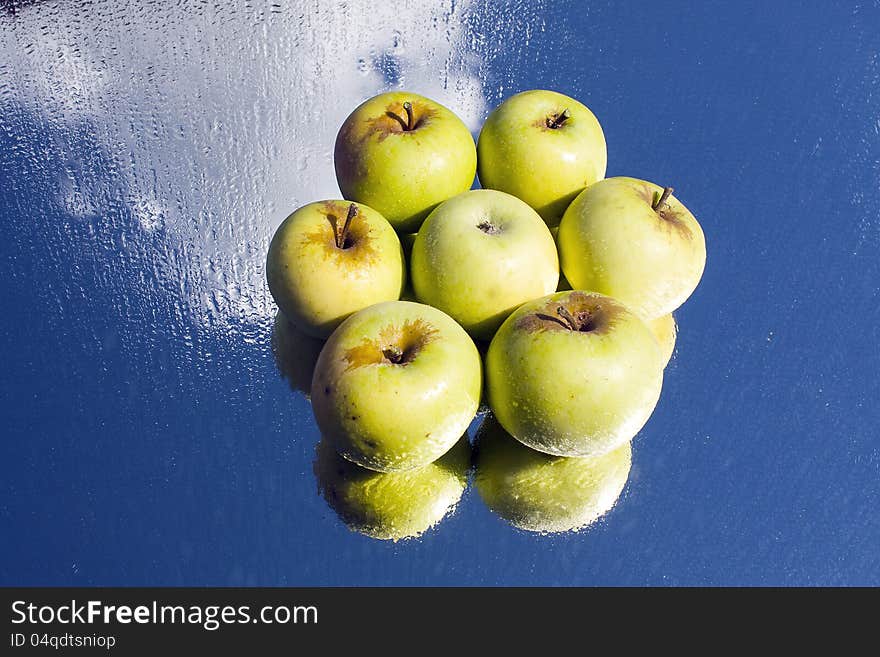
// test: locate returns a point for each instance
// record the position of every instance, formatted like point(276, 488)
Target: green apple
point(634, 241)
point(403, 154)
point(392, 505)
point(544, 493)
point(573, 374)
point(396, 386)
point(665, 330)
point(479, 256)
point(542, 147)
point(295, 353)
point(330, 259)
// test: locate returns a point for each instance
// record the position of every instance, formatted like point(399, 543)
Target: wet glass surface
point(148, 152)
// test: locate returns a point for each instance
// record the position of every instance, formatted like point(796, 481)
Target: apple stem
point(342, 233)
point(410, 123)
point(660, 201)
point(573, 324)
point(393, 353)
point(584, 320)
point(558, 120)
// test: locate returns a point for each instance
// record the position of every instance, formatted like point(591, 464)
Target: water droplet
point(397, 44)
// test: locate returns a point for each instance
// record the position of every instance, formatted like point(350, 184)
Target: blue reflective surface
point(147, 155)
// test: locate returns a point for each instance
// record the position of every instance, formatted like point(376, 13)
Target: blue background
point(144, 444)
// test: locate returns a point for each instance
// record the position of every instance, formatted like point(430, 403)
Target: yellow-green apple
point(330, 259)
point(573, 374)
point(396, 385)
point(295, 353)
point(542, 147)
point(665, 330)
point(544, 493)
point(479, 256)
point(392, 505)
point(634, 241)
point(403, 154)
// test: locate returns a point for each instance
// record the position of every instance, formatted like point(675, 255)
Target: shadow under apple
point(295, 354)
point(563, 285)
point(541, 493)
point(393, 505)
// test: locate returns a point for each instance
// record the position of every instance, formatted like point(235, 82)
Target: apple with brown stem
point(403, 154)
point(330, 259)
point(635, 241)
point(573, 374)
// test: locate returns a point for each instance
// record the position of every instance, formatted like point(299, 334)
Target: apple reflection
point(541, 493)
point(295, 354)
point(395, 505)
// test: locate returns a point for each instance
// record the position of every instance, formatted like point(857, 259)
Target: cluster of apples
point(573, 364)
